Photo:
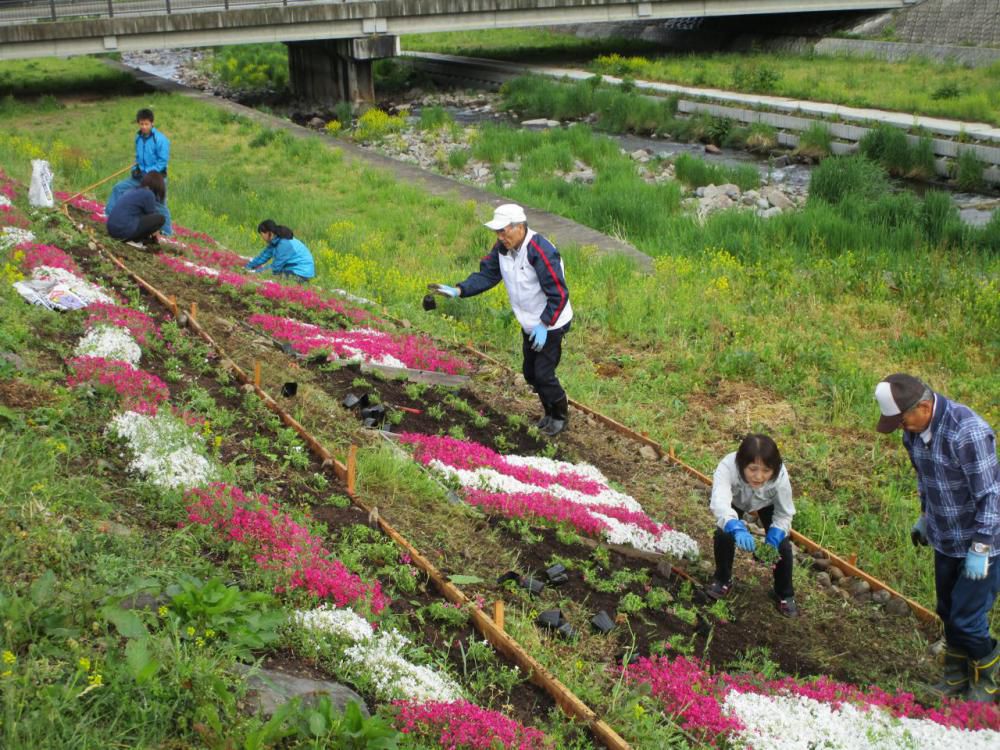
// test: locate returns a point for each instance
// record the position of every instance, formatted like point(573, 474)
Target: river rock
point(836, 574)
point(711, 148)
point(881, 597)
point(863, 598)
point(641, 155)
point(762, 204)
point(769, 213)
point(648, 452)
point(316, 123)
point(860, 587)
point(776, 197)
point(782, 161)
point(821, 563)
point(823, 579)
point(897, 607)
point(271, 689)
point(541, 122)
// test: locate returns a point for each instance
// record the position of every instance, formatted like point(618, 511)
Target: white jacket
point(730, 490)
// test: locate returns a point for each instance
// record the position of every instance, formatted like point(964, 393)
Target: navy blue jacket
point(123, 222)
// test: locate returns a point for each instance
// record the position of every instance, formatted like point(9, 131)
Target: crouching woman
point(287, 255)
point(753, 480)
point(136, 216)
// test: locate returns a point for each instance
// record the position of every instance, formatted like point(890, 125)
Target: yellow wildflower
point(6, 673)
point(191, 631)
point(84, 663)
point(8, 657)
point(162, 611)
point(95, 680)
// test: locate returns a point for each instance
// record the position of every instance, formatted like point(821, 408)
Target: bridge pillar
point(327, 71)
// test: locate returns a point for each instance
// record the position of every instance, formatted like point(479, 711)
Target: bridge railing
point(17, 12)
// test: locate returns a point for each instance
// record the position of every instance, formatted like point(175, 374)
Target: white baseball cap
point(896, 394)
point(505, 215)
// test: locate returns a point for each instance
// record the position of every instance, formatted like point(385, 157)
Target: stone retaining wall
point(974, 57)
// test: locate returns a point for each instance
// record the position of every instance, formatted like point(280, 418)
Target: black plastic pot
point(369, 422)
point(286, 348)
point(566, 631)
point(376, 412)
point(602, 622)
point(350, 401)
point(557, 574)
point(429, 303)
point(533, 585)
point(319, 359)
point(550, 618)
point(289, 389)
point(510, 575)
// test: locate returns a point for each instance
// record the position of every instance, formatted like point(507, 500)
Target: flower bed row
point(541, 488)
point(756, 712)
point(365, 344)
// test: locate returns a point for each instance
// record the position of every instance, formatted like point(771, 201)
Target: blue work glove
point(744, 539)
point(444, 290)
point(537, 338)
point(775, 536)
point(918, 534)
point(976, 565)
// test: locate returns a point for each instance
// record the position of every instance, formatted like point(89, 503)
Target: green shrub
point(923, 163)
point(252, 66)
point(969, 171)
point(755, 77)
point(815, 141)
point(837, 179)
point(696, 172)
point(458, 158)
point(432, 118)
point(374, 125)
point(889, 147)
point(761, 138)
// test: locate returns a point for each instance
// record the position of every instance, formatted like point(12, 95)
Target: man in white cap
point(532, 271)
point(958, 479)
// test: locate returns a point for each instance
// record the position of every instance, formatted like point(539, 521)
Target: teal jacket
point(287, 256)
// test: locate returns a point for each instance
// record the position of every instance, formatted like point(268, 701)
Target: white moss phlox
point(341, 623)
point(393, 676)
point(10, 236)
point(166, 452)
point(109, 342)
point(787, 722)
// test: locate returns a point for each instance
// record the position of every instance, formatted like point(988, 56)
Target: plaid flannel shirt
point(958, 478)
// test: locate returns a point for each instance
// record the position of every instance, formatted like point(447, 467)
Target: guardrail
point(20, 11)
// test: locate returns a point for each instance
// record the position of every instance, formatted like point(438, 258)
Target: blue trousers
point(964, 605)
point(127, 184)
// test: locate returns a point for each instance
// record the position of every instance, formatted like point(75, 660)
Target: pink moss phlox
point(218, 258)
point(192, 235)
point(187, 417)
point(278, 543)
point(36, 255)
point(539, 505)
point(307, 298)
point(412, 351)
point(958, 714)
point(94, 208)
point(460, 725)
point(139, 390)
point(468, 455)
point(139, 324)
point(688, 692)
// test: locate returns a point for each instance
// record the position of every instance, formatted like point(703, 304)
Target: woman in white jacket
point(753, 480)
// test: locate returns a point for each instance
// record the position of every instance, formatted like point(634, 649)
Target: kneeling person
point(136, 215)
point(287, 255)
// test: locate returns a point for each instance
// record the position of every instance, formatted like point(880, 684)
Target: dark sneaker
point(718, 590)
point(542, 423)
point(554, 427)
point(788, 608)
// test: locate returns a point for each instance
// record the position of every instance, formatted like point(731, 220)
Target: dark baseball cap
point(896, 394)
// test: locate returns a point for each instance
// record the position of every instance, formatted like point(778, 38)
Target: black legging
point(149, 224)
point(725, 550)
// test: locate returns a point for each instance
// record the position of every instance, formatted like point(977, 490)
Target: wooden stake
point(853, 559)
point(498, 613)
point(173, 305)
point(194, 311)
point(352, 469)
point(256, 373)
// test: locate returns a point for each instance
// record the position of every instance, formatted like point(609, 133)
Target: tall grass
point(695, 172)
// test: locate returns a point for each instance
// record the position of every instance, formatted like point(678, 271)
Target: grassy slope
point(916, 85)
point(789, 339)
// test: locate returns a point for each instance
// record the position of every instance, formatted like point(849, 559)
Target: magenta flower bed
point(688, 693)
point(91, 207)
point(537, 505)
point(467, 455)
point(140, 391)
point(222, 278)
point(461, 725)
point(372, 346)
point(141, 326)
point(951, 713)
point(278, 543)
point(46, 255)
point(192, 234)
point(218, 258)
point(307, 298)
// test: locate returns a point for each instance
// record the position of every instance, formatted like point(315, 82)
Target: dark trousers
point(539, 368)
point(148, 224)
point(725, 550)
point(964, 605)
point(292, 277)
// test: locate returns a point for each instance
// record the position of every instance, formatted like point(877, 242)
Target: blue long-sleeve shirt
point(286, 256)
point(958, 478)
point(152, 152)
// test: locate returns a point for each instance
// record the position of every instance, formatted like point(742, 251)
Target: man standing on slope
point(531, 269)
point(958, 479)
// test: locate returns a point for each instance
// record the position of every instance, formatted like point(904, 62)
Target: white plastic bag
point(40, 192)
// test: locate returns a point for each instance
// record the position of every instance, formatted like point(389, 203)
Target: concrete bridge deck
point(42, 28)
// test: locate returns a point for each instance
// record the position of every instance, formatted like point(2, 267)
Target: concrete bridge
point(331, 44)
